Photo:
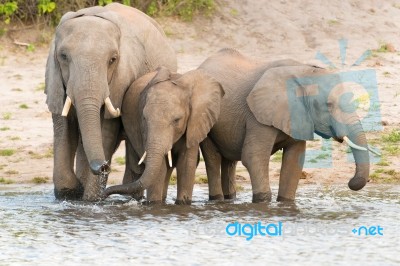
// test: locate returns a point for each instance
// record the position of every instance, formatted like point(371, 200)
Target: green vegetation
point(6, 116)
point(4, 128)
point(322, 156)
point(49, 12)
point(201, 179)
point(120, 160)
point(7, 152)
point(5, 181)
point(393, 136)
point(391, 142)
point(11, 172)
point(23, 106)
point(47, 154)
point(40, 87)
point(234, 12)
point(14, 138)
point(172, 180)
point(40, 179)
point(332, 22)
point(185, 9)
point(383, 163)
point(277, 157)
point(385, 176)
point(385, 48)
point(239, 188)
point(7, 9)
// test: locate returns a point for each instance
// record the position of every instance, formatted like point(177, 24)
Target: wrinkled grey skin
point(257, 119)
point(163, 111)
point(97, 52)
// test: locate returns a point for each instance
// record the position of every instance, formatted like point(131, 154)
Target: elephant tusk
point(351, 144)
point(142, 159)
point(170, 159)
point(67, 106)
point(114, 112)
point(374, 151)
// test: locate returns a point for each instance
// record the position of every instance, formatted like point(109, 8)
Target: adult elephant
point(162, 113)
point(268, 107)
point(96, 54)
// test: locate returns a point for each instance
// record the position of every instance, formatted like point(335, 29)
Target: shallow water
point(37, 229)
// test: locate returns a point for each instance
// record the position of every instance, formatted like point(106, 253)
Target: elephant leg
point(66, 185)
point(292, 166)
point(212, 160)
point(166, 182)
point(228, 174)
point(256, 152)
point(185, 174)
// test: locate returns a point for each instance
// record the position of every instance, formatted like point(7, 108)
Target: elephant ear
point(163, 74)
point(205, 100)
point(54, 87)
point(277, 100)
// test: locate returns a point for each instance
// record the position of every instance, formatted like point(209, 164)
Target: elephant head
point(173, 107)
point(96, 54)
point(301, 100)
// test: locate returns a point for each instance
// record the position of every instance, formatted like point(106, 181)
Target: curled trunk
point(360, 179)
point(155, 160)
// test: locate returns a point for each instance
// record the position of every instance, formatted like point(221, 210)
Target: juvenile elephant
point(268, 107)
point(95, 56)
point(165, 112)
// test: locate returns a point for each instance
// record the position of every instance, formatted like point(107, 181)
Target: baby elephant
point(163, 113)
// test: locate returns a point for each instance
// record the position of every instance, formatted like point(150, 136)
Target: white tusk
point(114, 112)
point(351, 144)
point(142, 159)
point(374, 151)
point(170, 159)
point(67, 106)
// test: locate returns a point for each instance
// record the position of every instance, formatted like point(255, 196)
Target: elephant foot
point(218, 197)
point(283, 199)
point(69, 193)
point(230, 196)
point(262, 197)
point(183, 201)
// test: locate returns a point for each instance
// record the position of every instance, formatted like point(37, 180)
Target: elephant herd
point(111, 76)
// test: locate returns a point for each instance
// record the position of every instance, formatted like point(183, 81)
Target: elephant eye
point(176, 120)
point(64, 56)
point(112, 60)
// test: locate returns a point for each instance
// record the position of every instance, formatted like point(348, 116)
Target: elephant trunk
point(88, 112)
point(361, 157)
point(155, 164)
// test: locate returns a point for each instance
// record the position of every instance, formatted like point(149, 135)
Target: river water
point(35, 229)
